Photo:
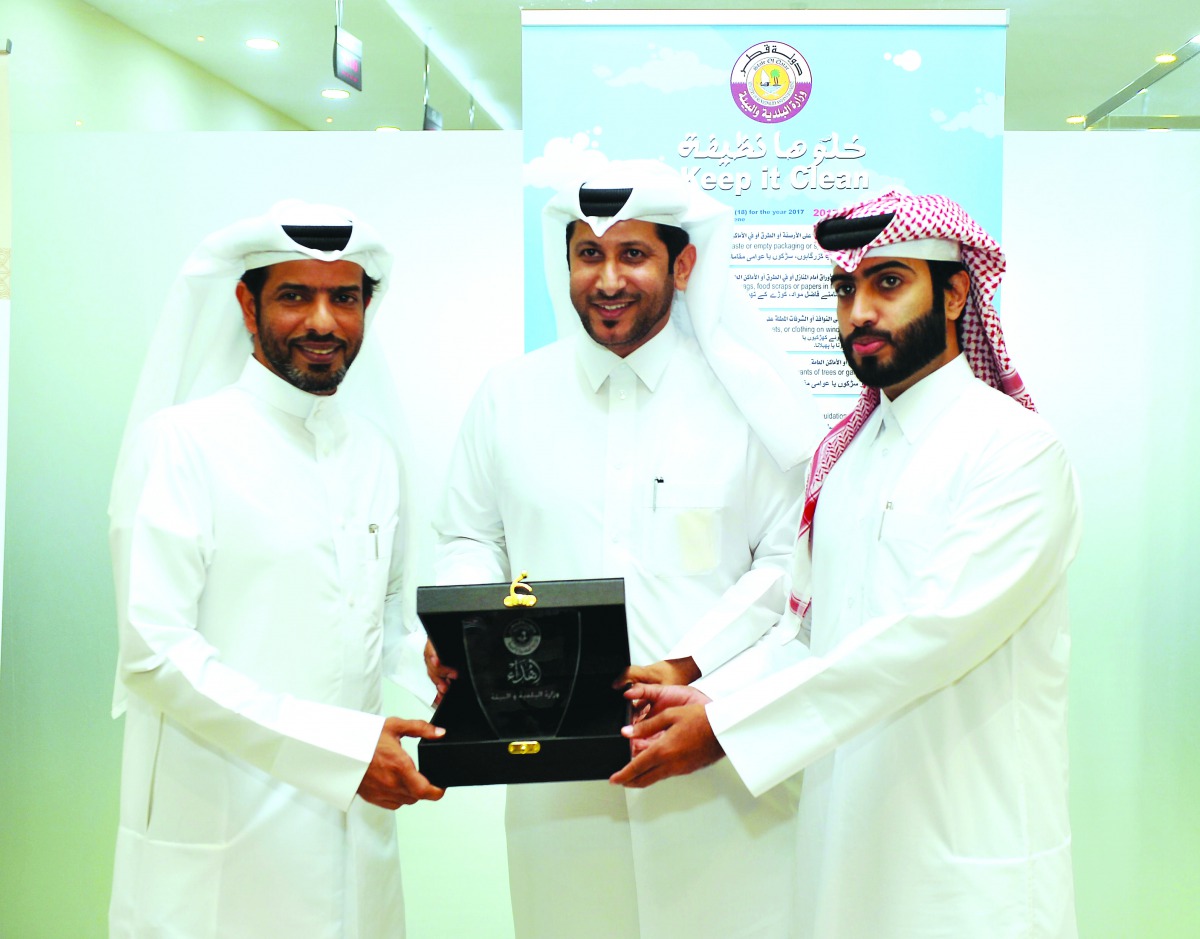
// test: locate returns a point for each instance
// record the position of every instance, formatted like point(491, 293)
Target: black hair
point(675, 238)
point(941, 273)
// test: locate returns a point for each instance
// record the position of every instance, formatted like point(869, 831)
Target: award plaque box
point(533, 701)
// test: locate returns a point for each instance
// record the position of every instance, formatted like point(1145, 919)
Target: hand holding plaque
point(534, 701)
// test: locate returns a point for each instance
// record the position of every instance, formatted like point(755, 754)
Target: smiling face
point(894, 329)
point(307, 324)
point(622, 283)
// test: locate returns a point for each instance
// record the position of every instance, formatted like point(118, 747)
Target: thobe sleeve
point(471, 547)
point(1003, 551)
point(755, 602)
point(161, 540)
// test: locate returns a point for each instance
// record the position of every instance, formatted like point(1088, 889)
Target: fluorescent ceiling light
point(335, 93)
point(266, 45)
point(1165, 59)
point(1076, 119)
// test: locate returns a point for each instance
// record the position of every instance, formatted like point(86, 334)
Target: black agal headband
point(843, 234)
point(602, 203)
point(320, 237)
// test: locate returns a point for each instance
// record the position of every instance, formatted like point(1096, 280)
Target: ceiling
point(1064, 57)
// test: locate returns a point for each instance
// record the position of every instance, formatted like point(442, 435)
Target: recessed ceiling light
point(1076, 119)
point(1165, 59)
point(387, 128)
point(329, 120)
point(265, 45)
point(335, 93)
point(199, 39)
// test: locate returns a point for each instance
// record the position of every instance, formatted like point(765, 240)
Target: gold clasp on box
point(517, 599)
point(524, 747)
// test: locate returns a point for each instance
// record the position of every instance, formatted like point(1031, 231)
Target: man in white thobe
point(258, 555)
point(930, 720)
point(663, 443)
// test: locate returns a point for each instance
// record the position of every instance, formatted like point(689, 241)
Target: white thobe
point(575, 463)
point(257, 568)
point(930, 721)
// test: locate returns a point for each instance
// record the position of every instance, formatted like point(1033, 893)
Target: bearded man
point(661, 439)
point(257, 521)
point(930, 581)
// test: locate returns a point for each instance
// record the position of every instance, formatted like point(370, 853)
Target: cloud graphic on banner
point(987, 117)
point(667, 71)
point(881, 183)
point(909, 60)
point(564, 160)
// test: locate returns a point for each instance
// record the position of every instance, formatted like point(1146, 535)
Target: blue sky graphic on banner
point(777, 114)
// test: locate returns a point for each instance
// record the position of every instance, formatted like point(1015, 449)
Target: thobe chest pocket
point(683, 529)
point(374, 543)
point(907, 539)
point(919, 529)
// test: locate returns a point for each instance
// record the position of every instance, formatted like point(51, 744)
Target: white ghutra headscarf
point(200, 343)
point(714, 308)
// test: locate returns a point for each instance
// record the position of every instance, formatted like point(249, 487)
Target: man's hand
point(441, 675)
point(667, 672)
point(392, 779)
point(670, 735)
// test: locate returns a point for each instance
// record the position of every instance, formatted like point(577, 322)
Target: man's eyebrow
point(884, 265)
point(630, 243)
point(338, 289)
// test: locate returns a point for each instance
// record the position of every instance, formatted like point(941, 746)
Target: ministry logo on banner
point(771, 82)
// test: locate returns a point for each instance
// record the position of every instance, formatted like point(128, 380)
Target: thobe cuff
point(748, 730)
point(744, 613)
point(333, 758)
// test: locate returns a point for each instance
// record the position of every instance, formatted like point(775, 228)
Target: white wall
point(1101, 309)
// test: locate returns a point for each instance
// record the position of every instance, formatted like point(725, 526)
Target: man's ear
point(957, 290)
point(245, 299)
point(684, 265)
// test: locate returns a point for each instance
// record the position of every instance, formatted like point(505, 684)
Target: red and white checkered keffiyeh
point(916, 217)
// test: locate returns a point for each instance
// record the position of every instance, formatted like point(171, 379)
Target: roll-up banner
point(782, 115)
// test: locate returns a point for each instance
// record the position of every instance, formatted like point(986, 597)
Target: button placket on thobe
point(621, 460)
point(864, 469)
point(321, 423)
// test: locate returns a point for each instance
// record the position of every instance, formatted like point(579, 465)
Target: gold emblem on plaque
point(520, 599)
point(524, 747)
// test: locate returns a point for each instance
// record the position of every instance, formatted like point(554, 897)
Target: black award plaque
point(534, 700)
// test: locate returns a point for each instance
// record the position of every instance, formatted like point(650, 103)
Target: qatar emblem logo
point(522, 637)
point(771, 82)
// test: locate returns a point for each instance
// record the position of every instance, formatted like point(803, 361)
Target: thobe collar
point(260, 381)
point(918, 407)
point(648, 362)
